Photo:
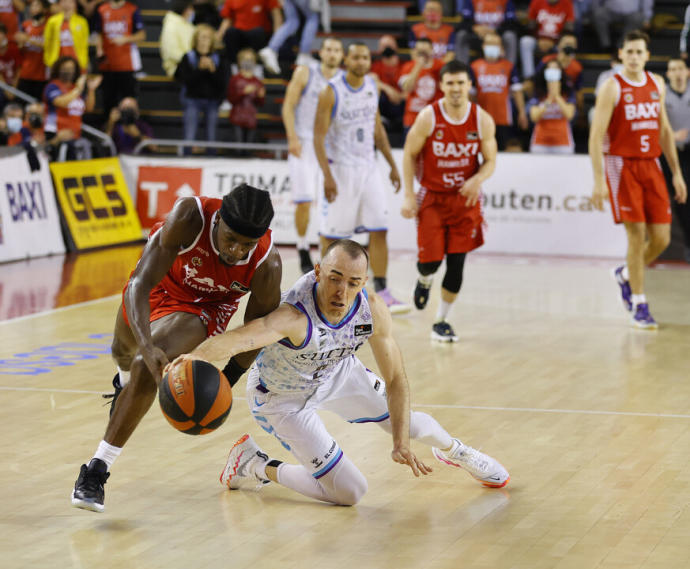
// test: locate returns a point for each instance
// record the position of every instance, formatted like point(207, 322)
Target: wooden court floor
point(591, 418)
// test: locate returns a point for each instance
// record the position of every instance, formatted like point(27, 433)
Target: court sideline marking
point(429, 405)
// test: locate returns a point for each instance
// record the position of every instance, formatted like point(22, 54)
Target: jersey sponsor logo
point(439, 134)
point(655, 95)
point(239, 287)
point(335, 354)
point(196, 261)
point(377, 384)
point(362, 329)
point(330, 451)
point(641, 111)
point(204, 284)
point(492, 82)
point(455, 149)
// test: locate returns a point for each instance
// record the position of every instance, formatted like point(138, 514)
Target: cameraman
point(126, 128)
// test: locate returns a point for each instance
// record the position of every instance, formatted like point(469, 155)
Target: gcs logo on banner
point(95, 202)
point(159, 186)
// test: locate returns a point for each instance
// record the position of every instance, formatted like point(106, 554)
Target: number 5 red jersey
point(450, 154)
point(634, 128)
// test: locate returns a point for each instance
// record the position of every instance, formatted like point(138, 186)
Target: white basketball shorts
point(306, 178)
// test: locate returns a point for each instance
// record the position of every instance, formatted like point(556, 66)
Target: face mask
point(35, 120)
point(389, 52)
point(14, 124)
point(492, 51)
point(128, 116)
point(568, 50)
point(246, 65)
point(66, 76)
point(552, 74)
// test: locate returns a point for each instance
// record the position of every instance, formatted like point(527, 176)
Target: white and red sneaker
point(481, 466)
point(240, 469)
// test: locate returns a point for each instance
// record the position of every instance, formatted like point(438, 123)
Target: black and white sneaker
point(421, 294)
point(305, 263)
point(88, 493)
point(113, 396)
point(443, 332)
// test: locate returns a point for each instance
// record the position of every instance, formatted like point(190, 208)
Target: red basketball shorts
point(637, 190)
point(446, 225)
point(214, 315)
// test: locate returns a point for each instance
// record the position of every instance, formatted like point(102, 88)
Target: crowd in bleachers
point(523, 56)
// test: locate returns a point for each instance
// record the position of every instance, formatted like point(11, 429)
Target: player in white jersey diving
point(299, 110)
point(308, 363)
point(347, 131)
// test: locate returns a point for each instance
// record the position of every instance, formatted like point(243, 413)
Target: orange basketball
point(195, 397)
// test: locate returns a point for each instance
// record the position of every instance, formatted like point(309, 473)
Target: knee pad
point(455, 263)
point(427, 269)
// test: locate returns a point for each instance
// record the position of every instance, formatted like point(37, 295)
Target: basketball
point(195, 397)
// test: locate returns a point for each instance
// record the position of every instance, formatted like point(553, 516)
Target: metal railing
point(278, 149)
point(85, 127)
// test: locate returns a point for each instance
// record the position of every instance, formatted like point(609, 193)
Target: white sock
point(638, 299)
point(107, 453)
point(426, 280)
point(624, 273)
point(443, 310)
point(124, 376)
point(302, 242)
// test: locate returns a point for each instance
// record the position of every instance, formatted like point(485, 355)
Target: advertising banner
point(95, 203)
point(533, 204)
point(29, 216)
point(159, 187)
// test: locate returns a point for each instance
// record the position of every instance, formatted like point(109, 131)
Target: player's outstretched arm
point(390, 364)
point(286, 321)
point(179, 230)
point(603, 110)
point(668, 145)
point(416, 137)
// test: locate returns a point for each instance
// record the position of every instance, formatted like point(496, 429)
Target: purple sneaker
point(393, 304)
point(624, 284)
point(642, 318)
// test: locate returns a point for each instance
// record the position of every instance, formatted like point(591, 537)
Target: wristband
point(233, 371)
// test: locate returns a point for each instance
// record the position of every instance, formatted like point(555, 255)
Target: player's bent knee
point(345, 485)
point(141, 376)
point(427, 269)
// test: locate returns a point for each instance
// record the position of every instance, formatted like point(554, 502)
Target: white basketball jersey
point(305, 111)
point(350, 138)
point(284, 368)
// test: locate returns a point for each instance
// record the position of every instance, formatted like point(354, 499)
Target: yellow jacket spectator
point(177, 34)
point(66, 34)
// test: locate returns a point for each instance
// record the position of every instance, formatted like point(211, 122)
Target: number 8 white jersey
point(350, 138)
point(285, 368)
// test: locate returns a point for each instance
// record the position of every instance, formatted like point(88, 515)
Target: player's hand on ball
point(404, 455)
point(409, 207)
point(599, 194)
point(179, 360)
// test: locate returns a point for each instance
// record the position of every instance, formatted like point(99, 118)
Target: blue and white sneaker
point(624, 284)
point(641, 317)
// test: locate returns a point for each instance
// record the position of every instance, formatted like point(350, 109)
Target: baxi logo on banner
point(29, 217)
point(159, 186)
point(95, 203)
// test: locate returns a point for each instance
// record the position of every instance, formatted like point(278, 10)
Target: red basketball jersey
point(33, 68)
point(8, 16)
point(493, 80)
point(115, 23)
point(634, 128)
point(489, 12)
point(198, 275)
point(551, 18)
point(450, 154)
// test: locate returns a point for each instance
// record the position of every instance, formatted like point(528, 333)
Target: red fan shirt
point(493, 81)
point(33, 68)
point(114, 23)
point(551, 18)
point(426, 89)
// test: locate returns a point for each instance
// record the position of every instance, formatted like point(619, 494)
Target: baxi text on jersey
point(454, 149)
point(635, 111)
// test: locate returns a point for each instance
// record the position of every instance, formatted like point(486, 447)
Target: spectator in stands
point(206, 12)
point(551, 111)
point(616, 66)
point(572, 68)
point(66, 35)
point(126, 127)
point(547, 20)
point(203, 75)
point(386, 69)
point(678, 110)
point(442, 35)
point(33, 74)
point(12, 115)
point(177, 33)
point(10, 62)
point(419, 81)
point(479, 17)
point(246, 24)
point(66, 104)
point(495, 80)
point(32, 129)
point(294, 10)
point(120, 28)
point(87, 8)
point(9, 15)
point(684, 35)
point(245, 93)
point(631, 14)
